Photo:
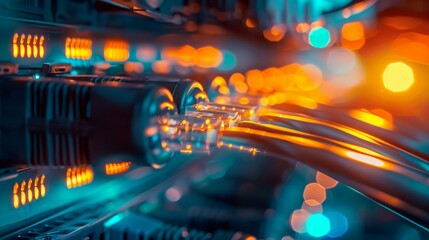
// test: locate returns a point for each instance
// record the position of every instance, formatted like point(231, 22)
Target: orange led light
point(36, 188)
point(41, 47)
point(27, 191)
point(117, 168)
point(15, 49)
point(116, 50)
point(15, 195)
point(30, 191)
point(30, 46)
point(23, 195)
point(22, 46)
point(79, 176)
point(78, 48)
point(35, 47)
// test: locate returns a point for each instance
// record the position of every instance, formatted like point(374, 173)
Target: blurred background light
point(319, 37)
point(326, 181)
point(229, 61)
point(146, 53)
point(339, 224)
point(298, 220)
point(398, 77)
point(314, 194)
point(341, 60)
point(275, 33)
point(353, 35)
point(317, 225)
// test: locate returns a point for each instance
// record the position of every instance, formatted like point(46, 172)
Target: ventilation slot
point(54, 107)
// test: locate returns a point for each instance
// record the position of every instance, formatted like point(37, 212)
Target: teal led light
point(319, 37)
point(317, 225)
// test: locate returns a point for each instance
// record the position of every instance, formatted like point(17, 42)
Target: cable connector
point(187, 134)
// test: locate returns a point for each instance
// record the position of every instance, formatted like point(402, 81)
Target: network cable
point(398, 187)
point(189, 96)
point(59, 122)
point(346, 135)
point(403, 136)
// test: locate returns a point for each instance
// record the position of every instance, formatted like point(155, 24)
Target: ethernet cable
point(189, 96)
point(344, 134)
point(403, 136)
point(398, 187)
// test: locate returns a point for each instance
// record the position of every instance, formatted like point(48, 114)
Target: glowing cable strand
point(313, 141)
point(346, 136)
point(407, 144)
point(390, 184)
point(322, 139)
point(330, 116)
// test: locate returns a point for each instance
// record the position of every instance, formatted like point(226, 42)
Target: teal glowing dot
point(74, 72)
point(317, 225)
point(319, 37)
point(229, 61)
point(36, 76)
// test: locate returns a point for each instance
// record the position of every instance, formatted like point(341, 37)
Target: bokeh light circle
point(319, 37)
point(317, 225)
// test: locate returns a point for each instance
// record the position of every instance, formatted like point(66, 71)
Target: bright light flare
point(363, 158)
point(372, 119)
point(398, 77)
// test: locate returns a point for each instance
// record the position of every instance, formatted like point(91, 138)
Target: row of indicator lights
point(28, 191)
point(116, 50)
point(117, 168)
point(78, 48)
point(28, 46)
point(79, 176)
